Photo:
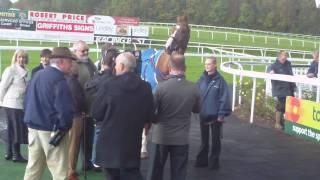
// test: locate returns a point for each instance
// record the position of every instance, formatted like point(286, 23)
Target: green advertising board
point(303, 118)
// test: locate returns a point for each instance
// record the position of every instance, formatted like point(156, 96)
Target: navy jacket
point(314, 68)
point(282, 88)
point(48, 101)
point(215, 96)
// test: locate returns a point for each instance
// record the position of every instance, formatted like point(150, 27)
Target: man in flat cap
point(48, 110)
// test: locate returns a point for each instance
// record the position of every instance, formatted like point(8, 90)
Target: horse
point(154, 65)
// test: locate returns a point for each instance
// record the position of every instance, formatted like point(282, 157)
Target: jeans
point(95, 139)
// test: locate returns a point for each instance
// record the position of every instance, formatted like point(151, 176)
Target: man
point(79, 108)
point(44, 61)
point(124, 104)
point(175, 99)
point(215, 105)
point(48, 108)
point(86, 72)
point(313, 69)
point(281, 89)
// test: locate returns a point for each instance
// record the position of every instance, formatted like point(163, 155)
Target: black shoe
point(8, 156)
point(200, 165)
point(19, 158)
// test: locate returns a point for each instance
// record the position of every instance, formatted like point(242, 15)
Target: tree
point(247, 15)
point(5, 3)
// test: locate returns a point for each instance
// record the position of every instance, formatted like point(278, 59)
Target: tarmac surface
point(249, 152)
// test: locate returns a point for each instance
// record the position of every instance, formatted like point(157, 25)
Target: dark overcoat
point(282, 88)
point(124, 105)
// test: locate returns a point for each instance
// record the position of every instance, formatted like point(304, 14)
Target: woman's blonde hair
point(21, 52)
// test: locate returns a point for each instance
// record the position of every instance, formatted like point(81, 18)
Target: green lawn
point(194, 66)
point(15, 171)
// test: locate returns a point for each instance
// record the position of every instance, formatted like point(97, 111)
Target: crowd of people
point(70, 106)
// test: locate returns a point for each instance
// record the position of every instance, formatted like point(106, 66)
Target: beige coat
point(13, 86)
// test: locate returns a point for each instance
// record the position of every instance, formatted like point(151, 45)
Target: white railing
point(226, 67)
point(170, 25)
point(253, 36)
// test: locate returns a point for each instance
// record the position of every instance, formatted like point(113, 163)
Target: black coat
point(124, 105)
point(282, 88)
point(36, 69)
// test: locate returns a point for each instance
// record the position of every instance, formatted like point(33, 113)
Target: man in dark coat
point(215, 105)
point(44, 61)
point(281, 89)
point(124, 105)
point(86, 71)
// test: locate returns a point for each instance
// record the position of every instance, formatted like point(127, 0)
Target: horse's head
point(180, 36)
point(182, 20)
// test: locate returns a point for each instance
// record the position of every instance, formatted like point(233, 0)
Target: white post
point(240, 85)
point(211, 35)
point(234, 92)
point(168, 32)
point(239, 37)
point(152, 30)
point(253, 99)
point(265, 40)
point(202, 54)
point(198, 34)
point(97, 47)
point(226, 37)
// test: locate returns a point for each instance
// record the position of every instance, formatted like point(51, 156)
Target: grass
point(15, 171)
point(194, 66)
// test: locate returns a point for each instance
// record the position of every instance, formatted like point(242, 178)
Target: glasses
point(85, 50)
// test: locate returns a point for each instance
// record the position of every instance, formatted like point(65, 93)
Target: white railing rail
point(170, 25)
point(225, 67)
point(237, 36)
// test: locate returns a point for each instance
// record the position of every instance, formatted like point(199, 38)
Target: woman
point(92, 86)
point(12, 92)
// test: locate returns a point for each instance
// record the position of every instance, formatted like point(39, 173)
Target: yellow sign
point(304, 112)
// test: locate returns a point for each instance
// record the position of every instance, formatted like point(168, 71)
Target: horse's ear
point(182, 19)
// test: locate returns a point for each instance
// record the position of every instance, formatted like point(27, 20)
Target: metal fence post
point(234, 91)
point(253, 100)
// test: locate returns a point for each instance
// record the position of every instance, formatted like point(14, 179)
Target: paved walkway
point(252, 153)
